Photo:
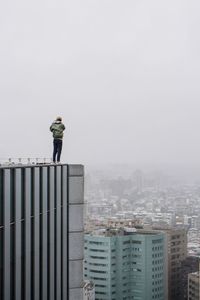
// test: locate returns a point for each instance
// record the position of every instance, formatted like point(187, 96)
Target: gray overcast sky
point(124, 74)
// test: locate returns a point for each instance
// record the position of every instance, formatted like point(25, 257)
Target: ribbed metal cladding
point(34, 230)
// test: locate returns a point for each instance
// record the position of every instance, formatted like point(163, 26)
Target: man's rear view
point(57, 129)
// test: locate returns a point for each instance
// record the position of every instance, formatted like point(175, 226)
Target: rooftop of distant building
point(109, 232)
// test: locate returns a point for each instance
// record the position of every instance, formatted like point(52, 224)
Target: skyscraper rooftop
point(41, 231)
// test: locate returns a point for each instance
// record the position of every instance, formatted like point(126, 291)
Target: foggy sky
point(124, 75)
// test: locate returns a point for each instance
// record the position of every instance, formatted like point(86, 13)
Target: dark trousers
point(57, 148)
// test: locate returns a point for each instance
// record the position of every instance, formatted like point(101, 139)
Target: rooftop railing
point(25, 161)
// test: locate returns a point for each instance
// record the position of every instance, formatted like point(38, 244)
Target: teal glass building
point(126, 265)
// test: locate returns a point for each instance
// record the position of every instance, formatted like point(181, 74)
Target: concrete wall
point(76, 238)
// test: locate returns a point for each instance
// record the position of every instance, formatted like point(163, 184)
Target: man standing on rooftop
point(57, 129)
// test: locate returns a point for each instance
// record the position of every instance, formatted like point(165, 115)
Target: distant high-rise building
point(41, 232)
point(177, 252)
point(126, 265)
point(139, 180)
point(194, 286)
point(189, 265)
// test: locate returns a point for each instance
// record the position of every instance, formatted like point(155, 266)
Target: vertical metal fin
point(6, 200)
point(18, 233)
point(58, 232)
point(44, 234)
point(27, 251)
point(64, 233)
point(36, 206)
point(51, 235)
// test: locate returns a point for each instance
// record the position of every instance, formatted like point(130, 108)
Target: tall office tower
point(177, 252)
point(126, 265)
point(194, 286)
point(41, 232)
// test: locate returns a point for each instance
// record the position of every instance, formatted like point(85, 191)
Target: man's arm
point(51, 128)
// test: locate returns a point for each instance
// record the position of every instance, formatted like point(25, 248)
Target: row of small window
point(154, 255)
point(174, 250)
point(98, 250)
point(128, 263)
point(193, 288)
point(100, 293)
point(159, 275)
point(133, 255)
point(158, 261)
point(158, 296)
point(98, 265)
point(97, 257)
point(100, 285)
point(157, 268)
point(132, 242)
point(97, 271)
point(157, 282)
point(96, 278)
point(97, 243)
point(159, 241)
point(174, 256)
point(113, 250)
point(157, 248)
point(176, 243)
point(174, 237)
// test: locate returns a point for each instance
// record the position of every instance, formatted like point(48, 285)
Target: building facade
point(126, 265)
point(194, 286)
point(177, 253)
point(41, 232)
point(189, 265)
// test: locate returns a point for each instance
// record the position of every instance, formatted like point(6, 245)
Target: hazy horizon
point(124, 75)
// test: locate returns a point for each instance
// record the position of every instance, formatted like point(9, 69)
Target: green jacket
point(57, 128)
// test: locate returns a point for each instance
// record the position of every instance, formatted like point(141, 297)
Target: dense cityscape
point(109, 233)
point(122, 201)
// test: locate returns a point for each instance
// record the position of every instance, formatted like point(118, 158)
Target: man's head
point(59, 119)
